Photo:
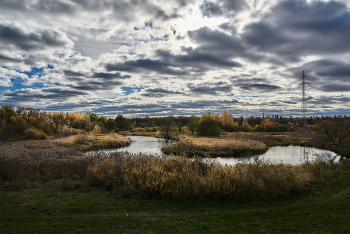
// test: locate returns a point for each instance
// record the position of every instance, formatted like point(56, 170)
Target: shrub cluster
point(151, 129)
point(197, 178)
point(32, 133)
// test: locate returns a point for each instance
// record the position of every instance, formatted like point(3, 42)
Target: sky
point(144, 58)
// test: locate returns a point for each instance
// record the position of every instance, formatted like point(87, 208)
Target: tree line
point(30, 123)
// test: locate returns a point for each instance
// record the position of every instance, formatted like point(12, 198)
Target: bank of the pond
point(89, 142)
point(235, 144)
point(191, 149)
point(156, 134)
point(215, 147)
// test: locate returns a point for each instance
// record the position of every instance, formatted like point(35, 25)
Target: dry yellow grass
point(196, 178)
point(86, 142)
point(223, 142)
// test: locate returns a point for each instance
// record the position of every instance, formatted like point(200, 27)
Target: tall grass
point(197, 178)
point(150, 176)
point(32, 159)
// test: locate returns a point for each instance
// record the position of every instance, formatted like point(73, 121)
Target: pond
point(285, 154)
point(288, 155)
point(143, 144)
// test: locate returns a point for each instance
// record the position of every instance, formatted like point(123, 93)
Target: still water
point(145, 145)
point(289, 155)
point(285, 154)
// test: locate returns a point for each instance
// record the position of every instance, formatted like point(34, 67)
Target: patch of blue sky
point(36, 71)
point(17, 82)
point(129, 90)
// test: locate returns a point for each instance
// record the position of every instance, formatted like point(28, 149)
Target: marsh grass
point(215, 147)
point(88, 142)
point(272, 138)
point(24, 161)
point(197, 178)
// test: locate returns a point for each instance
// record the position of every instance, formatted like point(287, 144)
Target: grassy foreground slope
point(74, 208)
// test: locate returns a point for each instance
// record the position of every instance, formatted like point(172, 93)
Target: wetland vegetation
point(49, 185)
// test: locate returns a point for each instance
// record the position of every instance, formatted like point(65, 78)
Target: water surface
point(288, 155)
point(145, 145)
point(279, 154)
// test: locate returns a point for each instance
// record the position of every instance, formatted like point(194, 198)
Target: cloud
point(210, 89)
point(188, 56)
point(159, 92)
point(259, 87)
point(28, 39)
point(38, 95)
point(221, 7)
point(292, 29)
point(219, 43)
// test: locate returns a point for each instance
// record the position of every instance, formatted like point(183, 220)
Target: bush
point(40, 136)
point(283, 128)
point(30, 134)
point(209, 127)
point(272, 129)
point(292, 129)
point(152, 129)
point(80, 123)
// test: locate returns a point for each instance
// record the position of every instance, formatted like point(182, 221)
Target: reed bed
point(215, 147)
point(270, 139)
point(197, 178)
point(89, 142)
point(33, 159)
point(150, 176)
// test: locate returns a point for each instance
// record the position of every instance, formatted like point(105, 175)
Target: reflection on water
point(288, 155)
point(145, 145)
point(285, 154)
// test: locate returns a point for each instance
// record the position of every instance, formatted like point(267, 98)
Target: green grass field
point(50, 207)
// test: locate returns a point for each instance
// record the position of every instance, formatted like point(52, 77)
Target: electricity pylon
point(304, 129)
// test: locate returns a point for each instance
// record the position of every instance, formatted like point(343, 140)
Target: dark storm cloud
point(171, 64)
point(133, 109)
point(210, 9)
point(47, 38)
point(211, 89)
point(122, 9)
point(336, 87)
point(259, 87)
point(203, 104)
point(159, 92)
point(325, 74)
point(29, 95)
point(145, 64)
point(73, 74)
point(221, 44)
point(4, 58)
point(221, 7)
point(95, 85)
point(296, 28)
point(13, 4)
point(329, 101)
point(109, 76)
point(96, 81)
point(338, 71)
